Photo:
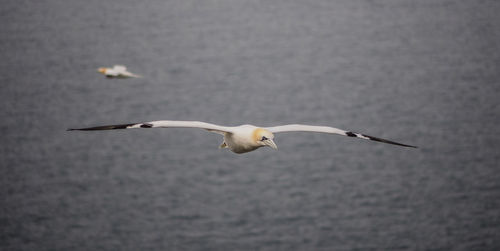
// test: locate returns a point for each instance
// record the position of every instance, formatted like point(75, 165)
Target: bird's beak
point(101, 70)
point(271, 144)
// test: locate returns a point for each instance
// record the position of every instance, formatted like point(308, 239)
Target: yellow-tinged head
point(264, 137)
point(102, 70)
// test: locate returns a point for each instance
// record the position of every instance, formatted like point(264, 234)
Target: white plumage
point(118, 71)
point(243, 138)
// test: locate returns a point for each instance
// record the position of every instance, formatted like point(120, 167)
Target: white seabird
point(243, 138)
point(118, 71)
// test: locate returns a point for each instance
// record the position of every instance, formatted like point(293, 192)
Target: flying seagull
point(243, 138)
point(118, 71)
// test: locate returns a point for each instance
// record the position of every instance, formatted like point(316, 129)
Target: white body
point(118, 71)
point(243, 138)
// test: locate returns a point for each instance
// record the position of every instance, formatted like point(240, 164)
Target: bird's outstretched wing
point(119, 68)
point(130, 74)
point(328, 129)
point(162, 124)
point(121, 71)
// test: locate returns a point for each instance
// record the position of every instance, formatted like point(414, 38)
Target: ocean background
point(424, 73)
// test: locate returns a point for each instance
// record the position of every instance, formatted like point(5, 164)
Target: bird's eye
point(264, 138)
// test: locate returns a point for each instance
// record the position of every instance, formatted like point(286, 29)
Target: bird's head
point(264, 137)
point(102, 70)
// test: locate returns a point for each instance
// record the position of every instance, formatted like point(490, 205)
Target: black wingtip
point(106, 127)
point(387, 141)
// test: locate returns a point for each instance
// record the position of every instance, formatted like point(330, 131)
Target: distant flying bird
point(118, 71)
point(243, 138)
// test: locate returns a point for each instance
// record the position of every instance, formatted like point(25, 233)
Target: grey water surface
point(418, 72)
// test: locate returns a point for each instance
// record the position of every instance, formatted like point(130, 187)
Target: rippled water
point(418, 72)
